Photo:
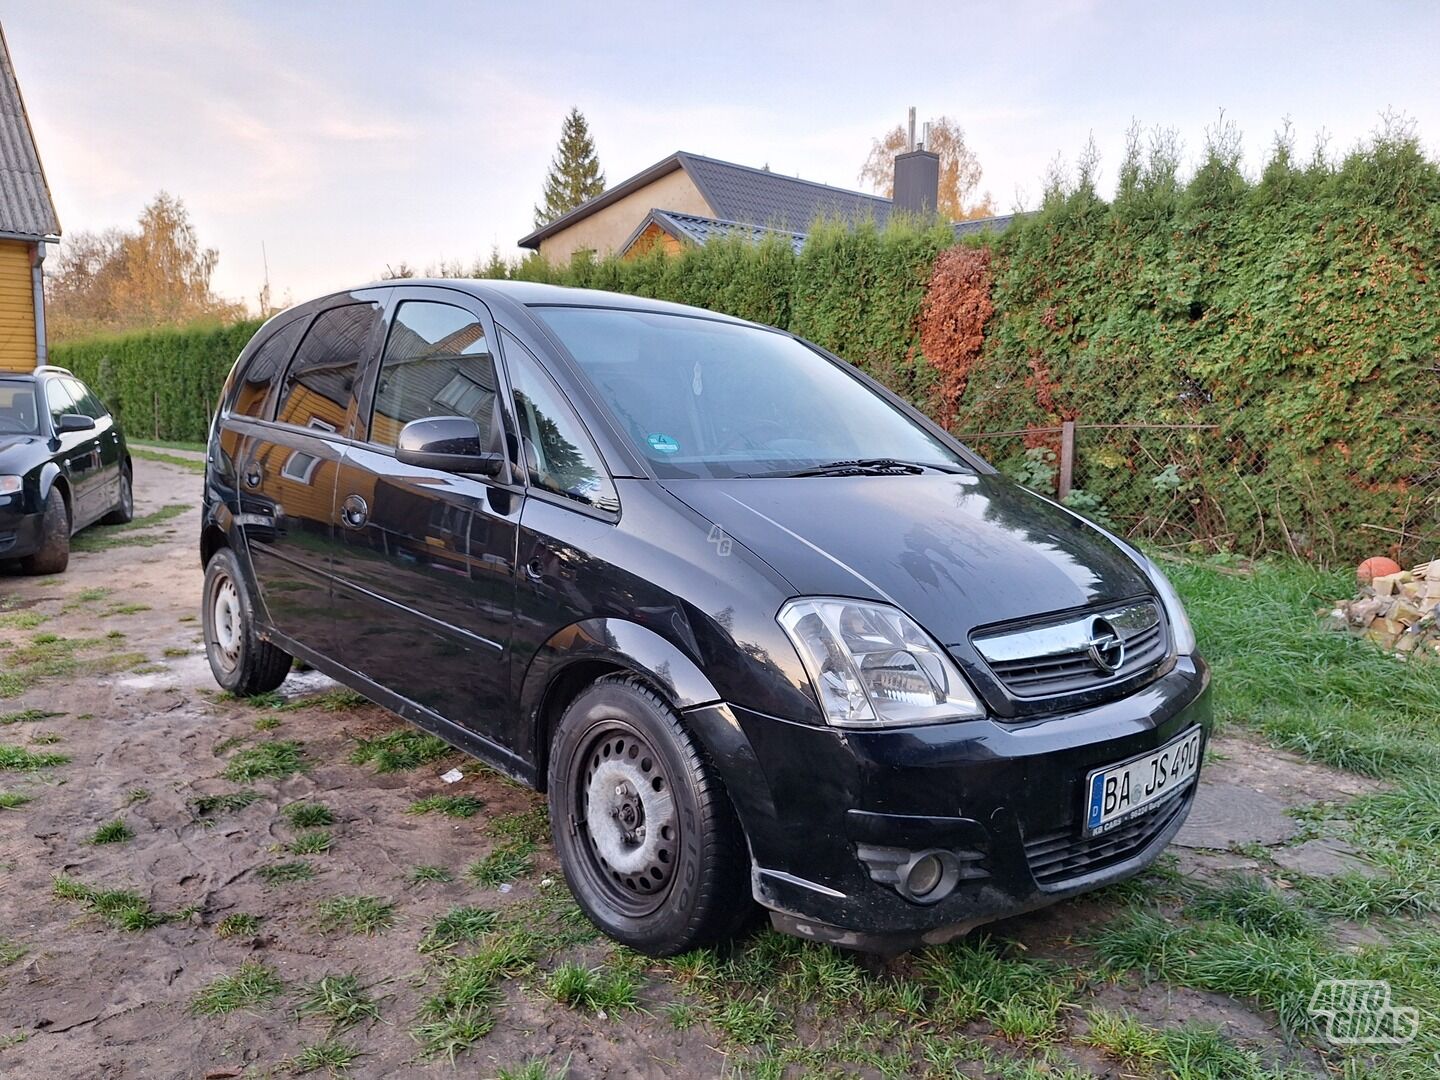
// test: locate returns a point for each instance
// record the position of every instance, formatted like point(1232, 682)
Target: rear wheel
point(53, 554)
point(124, 509)
point(240, 661)
point(645, 832)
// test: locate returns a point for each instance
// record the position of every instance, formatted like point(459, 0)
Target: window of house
point(263, 368)
point(436, 363)
point(558, 452)
point(321, 378)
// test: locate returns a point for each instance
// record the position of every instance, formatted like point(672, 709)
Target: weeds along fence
point(1207, 486)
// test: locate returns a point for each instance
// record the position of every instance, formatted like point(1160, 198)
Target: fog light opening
point(930, 877)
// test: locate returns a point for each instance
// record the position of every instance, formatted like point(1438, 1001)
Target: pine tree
point(575, 174)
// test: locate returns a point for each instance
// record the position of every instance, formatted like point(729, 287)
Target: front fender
point(619, 643)
point(49, 473)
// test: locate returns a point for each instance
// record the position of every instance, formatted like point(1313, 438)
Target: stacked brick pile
point(1396, 611)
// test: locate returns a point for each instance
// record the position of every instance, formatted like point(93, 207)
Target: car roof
point(532, 293)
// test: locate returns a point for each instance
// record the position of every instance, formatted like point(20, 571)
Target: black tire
point(124, 510)
point(240, 661)
point(660, 888)
point(53, 554)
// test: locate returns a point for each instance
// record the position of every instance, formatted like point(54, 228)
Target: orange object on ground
point(1378, 566)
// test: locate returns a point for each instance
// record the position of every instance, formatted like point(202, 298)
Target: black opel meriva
point(759, 629)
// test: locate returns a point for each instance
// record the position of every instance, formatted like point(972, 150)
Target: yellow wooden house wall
point(17, 308)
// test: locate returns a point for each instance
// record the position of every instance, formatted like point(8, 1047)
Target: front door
point(107, 444)
point(425, 579)
point(79, 457)
point(286, 471)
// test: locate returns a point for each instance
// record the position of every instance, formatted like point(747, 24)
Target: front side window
point(18, 414)
point(436, 363)
point(558, 452)
point(704, 398)
point(321, 378)
point(86, 403)
point(263, 368)
point(58, 400)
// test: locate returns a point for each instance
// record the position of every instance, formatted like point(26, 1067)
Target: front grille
point(1061, 855)
point(1060, 657)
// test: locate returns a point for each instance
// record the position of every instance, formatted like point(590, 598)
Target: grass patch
point(597, 990)
point(136, 795)
point(12, 800)
point(339, 999)
point(168, 444)
point(125, 609)
point(174, 651)
point(28, 716)
point(122, 908)
point(331, 1055)
point(533, 1070)
point(314, 842)
point(456, 806)
point(530, 826)
point(19, 759)
point(271, 760)
point(208, 807)
point(105, 537)
point(11, 952)
point(113, 832)
point(462, 1010)
point(502, 865)
point(308, 815)
point(21, 620)
point(237, 925)
point(458, 926)
point(266, 723)
point(398, 750)
point(252, 985)
point(428, 875)
point(188, 464)
point(286, 873)
point(354, 915)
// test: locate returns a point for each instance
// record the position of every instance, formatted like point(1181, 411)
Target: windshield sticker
point(663, 444)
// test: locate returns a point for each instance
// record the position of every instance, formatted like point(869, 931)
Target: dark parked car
point(759, 628)
point(63, 465)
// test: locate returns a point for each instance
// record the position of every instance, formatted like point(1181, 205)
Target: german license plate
point(1120, 792)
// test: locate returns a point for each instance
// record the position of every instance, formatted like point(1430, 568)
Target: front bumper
point(828, 811)
point(20, 533)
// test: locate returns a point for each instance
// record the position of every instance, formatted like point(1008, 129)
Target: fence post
point(1067, 457)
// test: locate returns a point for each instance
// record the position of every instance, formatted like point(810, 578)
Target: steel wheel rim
point(627, 820)
point(225, 623)
point(127, 495)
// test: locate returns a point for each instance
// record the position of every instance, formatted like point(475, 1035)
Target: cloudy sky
point(345, 137)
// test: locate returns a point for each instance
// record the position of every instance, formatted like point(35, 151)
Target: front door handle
point(354, 512)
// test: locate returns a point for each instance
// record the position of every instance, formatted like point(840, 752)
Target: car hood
point(955, 551)
point(13, 447)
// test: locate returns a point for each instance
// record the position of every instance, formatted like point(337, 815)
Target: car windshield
point(710, 399)
point(18, 415)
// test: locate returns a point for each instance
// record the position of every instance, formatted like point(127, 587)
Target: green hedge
point(162, 384)
point(1298, 313)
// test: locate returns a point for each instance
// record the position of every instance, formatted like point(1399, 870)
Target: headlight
point(872, 666)
point(1180, 628)
point(11, 485)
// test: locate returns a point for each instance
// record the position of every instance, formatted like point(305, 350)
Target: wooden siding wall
point(17, 308)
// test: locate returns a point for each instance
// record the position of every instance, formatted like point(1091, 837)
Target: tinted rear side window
point(437, 363)
point(263, 369)
point(322, 376)
point(86, 403)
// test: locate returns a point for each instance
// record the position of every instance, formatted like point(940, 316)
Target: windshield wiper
point(870, 467)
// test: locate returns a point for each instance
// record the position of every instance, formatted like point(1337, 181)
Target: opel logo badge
point(1107, 650)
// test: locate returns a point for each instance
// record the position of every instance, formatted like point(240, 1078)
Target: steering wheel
point(749, 439)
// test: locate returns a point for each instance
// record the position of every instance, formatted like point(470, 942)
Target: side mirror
point(447, 443)
point(71, 421)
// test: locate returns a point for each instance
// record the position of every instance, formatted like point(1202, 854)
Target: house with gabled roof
point(690, 199)
point(27, 223)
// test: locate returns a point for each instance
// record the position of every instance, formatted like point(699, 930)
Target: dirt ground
point(147, 736)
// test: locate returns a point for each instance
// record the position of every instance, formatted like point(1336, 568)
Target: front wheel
point(240, 661)
point(53, 554)
point(646, 835)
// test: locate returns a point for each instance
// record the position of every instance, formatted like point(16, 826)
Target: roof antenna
point(911, 144)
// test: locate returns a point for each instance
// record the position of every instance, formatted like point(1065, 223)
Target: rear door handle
point(354, 512)
point(253, 475)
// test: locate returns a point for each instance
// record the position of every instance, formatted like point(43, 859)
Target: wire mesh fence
point(1216, 481)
